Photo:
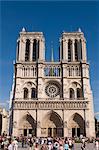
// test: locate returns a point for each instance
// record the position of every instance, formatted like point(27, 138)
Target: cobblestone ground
point(76, 147)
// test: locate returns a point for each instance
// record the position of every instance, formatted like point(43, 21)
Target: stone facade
point(51, 98)
point(3, 121)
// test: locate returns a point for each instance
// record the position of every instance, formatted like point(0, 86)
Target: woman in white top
point(10, 147)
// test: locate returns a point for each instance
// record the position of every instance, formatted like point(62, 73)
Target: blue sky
point(51, 18)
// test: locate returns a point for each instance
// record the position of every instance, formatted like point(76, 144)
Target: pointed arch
point(27, 50)
point(26, 93)
point(76, 124)
point(76, 50)
point(69, 50)
point(28, 124)
point(33, 93)
point(79, 93)
point(53, 123)
point(71, 93)
point(35, 54)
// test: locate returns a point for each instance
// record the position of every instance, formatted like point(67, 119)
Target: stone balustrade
point(48, 70)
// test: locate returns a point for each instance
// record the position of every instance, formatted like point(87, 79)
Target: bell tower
point(73, 47)
point(30, 46)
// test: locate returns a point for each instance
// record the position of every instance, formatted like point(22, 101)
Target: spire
point(23, 29)
point(52, 56)
point(79, 30)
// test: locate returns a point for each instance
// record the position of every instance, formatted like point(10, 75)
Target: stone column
point(65, 49)
point(60, 52)
point(41, 49)
point(65, 129)
point(75, 96)
point(23, 47)
point(83, 50)
point(20, 50)
point(31, 49)
point(73, 50)
point(78, 49)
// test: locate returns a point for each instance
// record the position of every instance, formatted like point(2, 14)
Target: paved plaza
point(77, 146)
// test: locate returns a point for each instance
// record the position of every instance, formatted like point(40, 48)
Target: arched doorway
point(28, 125)
point(76, 125)
point(53, 125)
point(0, 124)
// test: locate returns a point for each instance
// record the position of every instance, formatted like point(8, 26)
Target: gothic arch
point(27, 121)
point(69, 50)
point(25, 93)
point(71, 93)
point(52, 119)
point(76, 49)
point(33, 93)
point(79, 93)
point(53, 124)
point(74, 84)
point(27, 50)
point(76, 121)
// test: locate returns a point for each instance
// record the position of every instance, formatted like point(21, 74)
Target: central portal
point(53, 125)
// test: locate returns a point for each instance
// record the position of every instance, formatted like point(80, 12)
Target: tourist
point(66, 146)
point(36, 146)
point(23, 141)
point(56, 146)
point(83, 146)
point(10, 147)
point(70, 144)
point(15, 144)
point(97, 145)
point(30, 144)
point(50, 147)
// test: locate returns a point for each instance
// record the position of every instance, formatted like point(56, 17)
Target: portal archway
point(76, 125)
point(53, 125)
point(28, 125)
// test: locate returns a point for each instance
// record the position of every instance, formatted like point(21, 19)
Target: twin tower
point(31, 47)
point(51, 98)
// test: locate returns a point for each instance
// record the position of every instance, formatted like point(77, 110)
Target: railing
point(52, 70)
point(36, 104)
point(27, 71)
point(48, 70)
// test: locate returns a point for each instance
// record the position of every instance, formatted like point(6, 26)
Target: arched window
point(27, 50)
point(72, 96)
point(33, 93)
point(25, 93)
point(79, 93)
point(69, 50)
point(76, 50)
point(80, 50)
point(35, 55)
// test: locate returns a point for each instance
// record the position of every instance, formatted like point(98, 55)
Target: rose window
point(52, 90)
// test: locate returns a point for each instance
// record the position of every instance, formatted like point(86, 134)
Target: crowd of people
point(33, 143)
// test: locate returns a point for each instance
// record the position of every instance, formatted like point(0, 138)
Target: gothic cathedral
point(51, 98)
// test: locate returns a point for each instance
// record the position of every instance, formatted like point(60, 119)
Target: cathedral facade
point(51, 98)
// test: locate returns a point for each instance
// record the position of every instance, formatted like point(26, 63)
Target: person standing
point(66, 146)
point(97, 145)
point(30, 144)
point(15, 144)
point(10, 147)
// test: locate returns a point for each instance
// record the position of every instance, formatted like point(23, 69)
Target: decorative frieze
point(36, 104)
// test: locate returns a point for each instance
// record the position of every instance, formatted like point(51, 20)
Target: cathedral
point(51, 98)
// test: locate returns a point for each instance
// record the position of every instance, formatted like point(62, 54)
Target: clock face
point(52, 90)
